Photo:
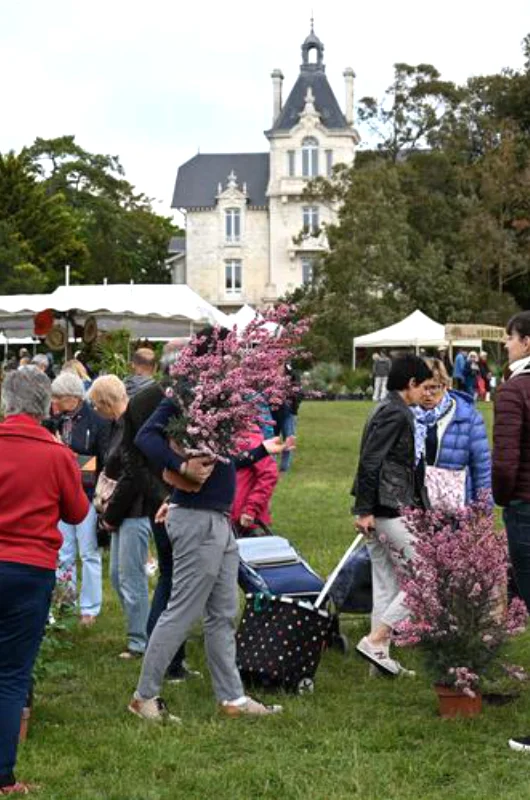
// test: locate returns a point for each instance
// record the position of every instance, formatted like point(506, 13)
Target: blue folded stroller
point(270, 565)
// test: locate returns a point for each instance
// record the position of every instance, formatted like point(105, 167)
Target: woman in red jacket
point(40, 483)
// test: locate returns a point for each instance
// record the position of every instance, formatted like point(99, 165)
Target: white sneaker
point(375, 672)
point(378, 655)
point(521, 744)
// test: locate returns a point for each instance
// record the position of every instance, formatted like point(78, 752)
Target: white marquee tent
point(147, 310)
point(417, 330)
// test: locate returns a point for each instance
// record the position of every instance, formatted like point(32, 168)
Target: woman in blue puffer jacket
point(451, 434)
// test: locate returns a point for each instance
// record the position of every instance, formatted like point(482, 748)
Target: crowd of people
point(423, 424)
point(470, 372)
point(84, 457)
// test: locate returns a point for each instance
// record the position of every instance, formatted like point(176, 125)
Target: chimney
point(349, 76)
point(277, 80)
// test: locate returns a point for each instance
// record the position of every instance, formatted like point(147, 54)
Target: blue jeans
point(83, 537)
point(25, 596)
point(288, 429)
point(517, 521)
point(163, 589)
point(129, 549)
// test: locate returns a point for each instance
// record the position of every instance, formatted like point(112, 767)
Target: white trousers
point(391, 542)
point(380, 390)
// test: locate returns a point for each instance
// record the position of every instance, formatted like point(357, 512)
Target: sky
point(156, 81)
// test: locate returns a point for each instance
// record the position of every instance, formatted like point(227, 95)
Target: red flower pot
point(454, 703)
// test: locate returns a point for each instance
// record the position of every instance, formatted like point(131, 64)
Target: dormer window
point(233, 225)
point(310, 157)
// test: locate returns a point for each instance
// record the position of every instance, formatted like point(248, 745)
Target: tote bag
point(446, 488)
point(104, 490)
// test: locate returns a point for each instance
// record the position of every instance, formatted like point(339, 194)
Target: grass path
point(355, 737)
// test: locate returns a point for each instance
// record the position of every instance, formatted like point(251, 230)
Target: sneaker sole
point(383, 670)
point(518, 747)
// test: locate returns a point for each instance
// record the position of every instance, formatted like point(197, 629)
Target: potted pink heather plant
point(455, 589)
point(222, 385)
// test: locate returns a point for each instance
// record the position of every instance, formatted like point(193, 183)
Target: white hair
point(68, 384)
point(26, 390)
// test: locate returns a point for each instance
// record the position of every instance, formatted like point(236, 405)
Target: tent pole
point(353, 363)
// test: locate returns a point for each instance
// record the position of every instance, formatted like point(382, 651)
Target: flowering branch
point(454, 587)
point(223, 381)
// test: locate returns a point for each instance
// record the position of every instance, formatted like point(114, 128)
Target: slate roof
point(312, 74)
point(177, 244)
point(198, 179)
point(326, 103)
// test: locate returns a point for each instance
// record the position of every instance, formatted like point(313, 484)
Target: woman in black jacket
point(127, 515)
point(87, 434)
point(390, 477)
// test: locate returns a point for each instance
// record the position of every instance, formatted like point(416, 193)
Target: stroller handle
point(359, 539)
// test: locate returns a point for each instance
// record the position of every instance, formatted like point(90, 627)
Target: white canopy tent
point(147, 310)
point(244, 316)
point(241, 318)
point(417, 330)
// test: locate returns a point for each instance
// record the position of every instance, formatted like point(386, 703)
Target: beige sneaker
point(154, 710)
point(250, 708)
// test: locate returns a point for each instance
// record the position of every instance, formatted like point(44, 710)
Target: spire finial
point(312, 21)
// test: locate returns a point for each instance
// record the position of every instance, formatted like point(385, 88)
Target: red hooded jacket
point(40, 484)
point(255, 484)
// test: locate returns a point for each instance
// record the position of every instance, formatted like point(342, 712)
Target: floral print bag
point(446, 488)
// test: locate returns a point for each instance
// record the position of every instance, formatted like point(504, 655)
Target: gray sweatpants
point(392, 540)
point(205, 566)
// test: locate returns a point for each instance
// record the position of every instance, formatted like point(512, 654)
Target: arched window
point(310, 157)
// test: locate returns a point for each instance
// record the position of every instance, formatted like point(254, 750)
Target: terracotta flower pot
point(454, 703)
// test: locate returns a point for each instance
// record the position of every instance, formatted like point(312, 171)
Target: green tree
point(124, 239)
point(38, 231)
point(412, 110)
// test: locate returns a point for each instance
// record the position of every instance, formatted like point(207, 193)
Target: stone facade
point(251, 237)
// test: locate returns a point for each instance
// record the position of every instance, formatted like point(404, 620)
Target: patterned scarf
point(423, 420)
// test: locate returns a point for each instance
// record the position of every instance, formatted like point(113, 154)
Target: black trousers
point(517, 521)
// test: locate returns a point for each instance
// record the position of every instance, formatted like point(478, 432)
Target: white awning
point(148, 310)
point(415, 330)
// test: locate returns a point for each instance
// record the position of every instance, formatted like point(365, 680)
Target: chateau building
point(250, 235)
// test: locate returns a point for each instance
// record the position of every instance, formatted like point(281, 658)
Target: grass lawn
point(375, 739)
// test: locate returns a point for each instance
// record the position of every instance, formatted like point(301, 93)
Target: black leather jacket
point(387, 478)
point(140, 490)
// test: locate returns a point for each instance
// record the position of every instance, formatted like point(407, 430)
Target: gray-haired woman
point(39, 484)
point(87, 434)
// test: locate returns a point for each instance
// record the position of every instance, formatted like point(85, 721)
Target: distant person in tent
point(144, 367)
point(380, 371)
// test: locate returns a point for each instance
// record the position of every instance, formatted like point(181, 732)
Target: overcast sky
point(155, 80)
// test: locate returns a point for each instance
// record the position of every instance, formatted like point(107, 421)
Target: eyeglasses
point(434, 389)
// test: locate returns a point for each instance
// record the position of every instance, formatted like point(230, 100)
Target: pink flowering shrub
point(221, 393)
point(454, 587)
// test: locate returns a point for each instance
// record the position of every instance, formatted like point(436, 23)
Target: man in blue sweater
point(205, 568)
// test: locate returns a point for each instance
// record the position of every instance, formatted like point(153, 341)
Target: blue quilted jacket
point(463, 442)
